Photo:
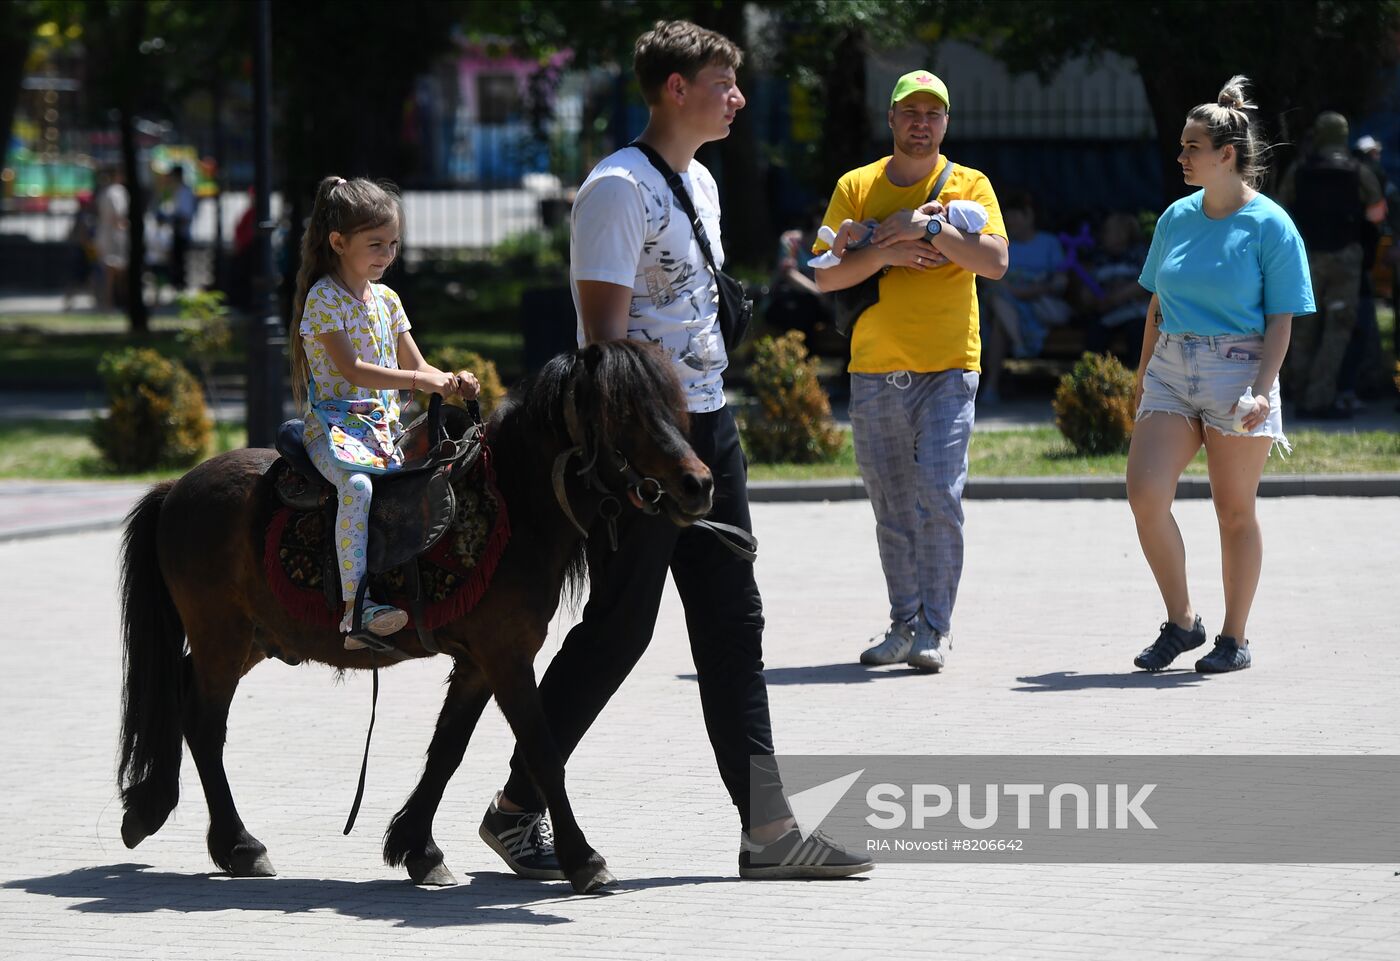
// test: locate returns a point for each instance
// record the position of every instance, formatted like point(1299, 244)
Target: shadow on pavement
point(843, 673)
point(487, 898)
point(1128, 680)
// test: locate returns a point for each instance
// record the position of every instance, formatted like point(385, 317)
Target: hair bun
point(1232, 96)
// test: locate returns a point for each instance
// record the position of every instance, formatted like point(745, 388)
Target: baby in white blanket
point(967, 215)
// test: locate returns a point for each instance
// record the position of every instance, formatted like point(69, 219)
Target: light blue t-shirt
point(1225, 276)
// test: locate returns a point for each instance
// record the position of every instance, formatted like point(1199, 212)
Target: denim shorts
point(1202, 378)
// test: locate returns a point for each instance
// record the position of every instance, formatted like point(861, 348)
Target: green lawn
point(62, 350)
point(1042, 452)
point(61, 450)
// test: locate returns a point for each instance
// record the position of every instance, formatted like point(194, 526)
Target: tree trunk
point(846, 134)
point(14, 51)
point(1172, 89)
point(218, 262)
point(742, 171)
point(136, 312)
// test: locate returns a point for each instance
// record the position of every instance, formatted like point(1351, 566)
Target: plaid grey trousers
point(911, 434)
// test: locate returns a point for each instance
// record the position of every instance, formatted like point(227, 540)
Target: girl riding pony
point(355, 354)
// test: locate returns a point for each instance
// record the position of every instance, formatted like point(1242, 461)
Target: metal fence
point(433, 219)
point(37, 253)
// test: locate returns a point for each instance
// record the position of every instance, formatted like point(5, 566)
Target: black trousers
point(724, 617)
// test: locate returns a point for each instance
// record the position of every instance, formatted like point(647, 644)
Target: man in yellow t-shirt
point(915, 360)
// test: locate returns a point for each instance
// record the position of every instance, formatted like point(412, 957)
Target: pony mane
point(607, 377)
point(611, 381)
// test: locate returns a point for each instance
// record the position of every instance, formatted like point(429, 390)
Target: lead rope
point(364, 765)
point(734, 538)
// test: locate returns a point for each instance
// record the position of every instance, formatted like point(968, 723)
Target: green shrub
point(156, 415)
point(534, 251)
point(209, 337)
point(791, 420)
point(453, 359)
point(1094, 405)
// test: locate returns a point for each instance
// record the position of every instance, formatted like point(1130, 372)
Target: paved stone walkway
point(1056, 600)
point(40, 508)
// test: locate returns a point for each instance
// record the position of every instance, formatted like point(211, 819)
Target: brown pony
point(198, 613)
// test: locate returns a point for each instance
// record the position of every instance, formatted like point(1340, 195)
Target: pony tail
point(316, 261)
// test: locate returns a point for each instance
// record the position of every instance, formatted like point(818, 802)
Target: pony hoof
point(592, 876)
point(430, 873)
point(247, 863)
point(133, 830)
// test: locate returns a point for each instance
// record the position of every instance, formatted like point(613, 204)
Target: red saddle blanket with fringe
point(454, 574)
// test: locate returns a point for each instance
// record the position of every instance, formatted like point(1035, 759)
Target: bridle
point(643, 492)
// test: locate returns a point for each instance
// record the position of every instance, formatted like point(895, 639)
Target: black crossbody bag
point(851, 302)
point(735, 307)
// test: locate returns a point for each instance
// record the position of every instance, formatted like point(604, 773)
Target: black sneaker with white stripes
point(792, 856)
point(524, 840)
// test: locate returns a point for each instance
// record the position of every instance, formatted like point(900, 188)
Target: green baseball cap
point(919, 81)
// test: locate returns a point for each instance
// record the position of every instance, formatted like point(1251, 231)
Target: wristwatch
point(933, 228)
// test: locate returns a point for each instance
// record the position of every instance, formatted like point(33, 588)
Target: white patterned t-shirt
point(627, 229)
point(373, 329)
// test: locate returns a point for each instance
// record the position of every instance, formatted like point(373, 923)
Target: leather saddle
point(412, 507)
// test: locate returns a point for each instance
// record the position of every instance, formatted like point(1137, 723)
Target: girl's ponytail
point(317, 260)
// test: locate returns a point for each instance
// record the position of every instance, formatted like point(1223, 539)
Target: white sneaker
point(930, 650)
point(893, 647)
point(381, 620)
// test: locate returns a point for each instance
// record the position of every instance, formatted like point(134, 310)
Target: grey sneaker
point(524, 840)
point(893, 648)
point(930, 651)
point(792, 856)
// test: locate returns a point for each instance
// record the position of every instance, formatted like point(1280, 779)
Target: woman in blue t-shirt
point(1227, 271)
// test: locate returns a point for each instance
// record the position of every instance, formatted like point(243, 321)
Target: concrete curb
point(1087, 488)
point(59, 530)
point(986, 488)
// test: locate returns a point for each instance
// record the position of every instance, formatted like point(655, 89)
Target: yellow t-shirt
point(925, 320)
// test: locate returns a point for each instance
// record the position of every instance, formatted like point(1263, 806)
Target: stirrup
point(359, 636)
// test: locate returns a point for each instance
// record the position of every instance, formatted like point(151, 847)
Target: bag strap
point(941, 181)
point(388, 349)
point(384, 332)
point(673, 180)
